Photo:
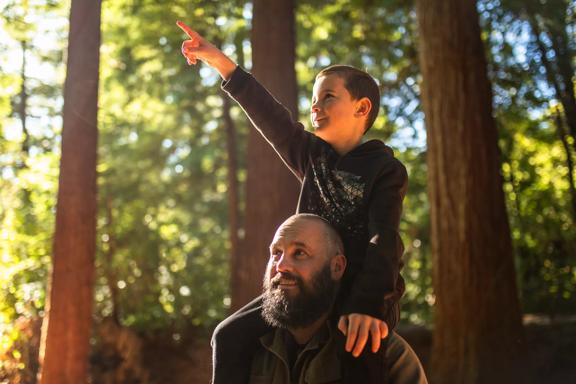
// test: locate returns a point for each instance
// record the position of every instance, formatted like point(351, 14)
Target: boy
point(358, 187)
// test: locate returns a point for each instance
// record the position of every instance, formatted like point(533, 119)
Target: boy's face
point(334, 111)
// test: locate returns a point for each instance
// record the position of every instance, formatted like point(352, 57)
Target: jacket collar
point(324, 366)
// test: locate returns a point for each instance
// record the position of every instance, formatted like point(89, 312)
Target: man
point(300, 286)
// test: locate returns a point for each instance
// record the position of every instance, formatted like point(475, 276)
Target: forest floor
point(551, 346)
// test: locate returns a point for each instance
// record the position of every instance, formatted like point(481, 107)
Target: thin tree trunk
point(271, 190)
point(561, 81)
point(23, 104)
point(234, 221)
point(67, 323)
point(478, 335)
point(233, 191)
point(561, 131)
point(108, 268)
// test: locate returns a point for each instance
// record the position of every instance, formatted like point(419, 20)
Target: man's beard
point(281, 310)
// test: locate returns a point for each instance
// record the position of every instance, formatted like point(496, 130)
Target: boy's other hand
point(357, 327)
point(198, 48)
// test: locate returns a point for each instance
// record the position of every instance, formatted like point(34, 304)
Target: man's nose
point(283, 264)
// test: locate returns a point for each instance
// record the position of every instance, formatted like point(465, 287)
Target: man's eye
point(275, 253)
point(328, 95)
point(300, 253)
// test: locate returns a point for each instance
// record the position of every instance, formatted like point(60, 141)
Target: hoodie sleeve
point(288, 137)
point(378, 285)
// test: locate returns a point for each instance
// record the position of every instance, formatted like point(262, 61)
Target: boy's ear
point(363, 107)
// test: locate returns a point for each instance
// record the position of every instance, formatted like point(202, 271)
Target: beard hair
point(311, 302)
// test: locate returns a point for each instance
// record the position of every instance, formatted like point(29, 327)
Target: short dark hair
point(360, 84)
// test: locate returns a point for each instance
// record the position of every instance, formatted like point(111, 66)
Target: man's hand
point(357, 327)
point(198, 47)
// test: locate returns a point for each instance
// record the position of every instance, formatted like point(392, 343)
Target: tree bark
point(22, 108)
point(271, 189)
point(559, 71)
point(67, 324)
point(108, 268)
point(562, 135)
point(233, 192)
point(478, 336)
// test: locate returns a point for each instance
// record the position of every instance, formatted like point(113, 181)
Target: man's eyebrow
point(300, 244)
point(294, 243)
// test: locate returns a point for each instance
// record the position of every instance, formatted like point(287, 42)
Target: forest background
point(172, 162)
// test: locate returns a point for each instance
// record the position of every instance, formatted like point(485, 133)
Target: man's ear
point(338, 266)
point(363, 107)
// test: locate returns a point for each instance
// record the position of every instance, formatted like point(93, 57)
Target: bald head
point(332, 242)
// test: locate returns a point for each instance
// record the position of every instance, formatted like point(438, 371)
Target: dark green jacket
point(318, 362)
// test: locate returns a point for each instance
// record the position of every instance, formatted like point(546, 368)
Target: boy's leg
point(234, 343)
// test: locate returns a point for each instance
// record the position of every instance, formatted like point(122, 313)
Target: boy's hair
point(360, 84)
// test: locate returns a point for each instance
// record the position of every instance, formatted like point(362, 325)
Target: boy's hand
point(198, 47)
point(357, 327)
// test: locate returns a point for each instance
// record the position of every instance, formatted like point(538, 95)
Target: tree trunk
point(478, 335)
point(562, 135)
point(559, 70)
point(108, 267)
point(233, 192)
point(271, 189)
point(22, 108)
point(67, 324)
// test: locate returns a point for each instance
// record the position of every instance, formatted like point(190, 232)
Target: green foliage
point(534, 161)
point(29, 169)
point(163, 233)
point(539, 204)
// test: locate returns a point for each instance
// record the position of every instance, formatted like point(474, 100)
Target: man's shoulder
point(403, 364)
point(270, 365)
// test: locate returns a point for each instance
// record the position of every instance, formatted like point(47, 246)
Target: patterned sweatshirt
point(360, 193)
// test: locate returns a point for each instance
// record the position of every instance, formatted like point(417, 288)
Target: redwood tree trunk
point(66, 328)
point(233, 191)
point(478, 335)
point(271, 189)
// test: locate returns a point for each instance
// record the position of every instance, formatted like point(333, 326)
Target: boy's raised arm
point(198, 47)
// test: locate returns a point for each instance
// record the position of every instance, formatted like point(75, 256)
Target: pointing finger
point(189, 31)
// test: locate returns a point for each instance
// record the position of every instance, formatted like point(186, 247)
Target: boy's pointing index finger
point(191, 33)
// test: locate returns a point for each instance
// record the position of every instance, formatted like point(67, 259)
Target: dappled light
point(182, 229)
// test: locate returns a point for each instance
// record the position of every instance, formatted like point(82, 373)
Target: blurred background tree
point(164, 240)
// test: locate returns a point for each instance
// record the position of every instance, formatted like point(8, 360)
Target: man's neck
point(303, 335)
